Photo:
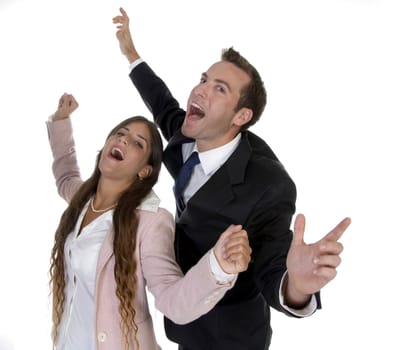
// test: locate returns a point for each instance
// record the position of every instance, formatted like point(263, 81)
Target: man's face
point(211, 116)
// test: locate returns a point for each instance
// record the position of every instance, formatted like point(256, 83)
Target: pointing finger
point(338, 231)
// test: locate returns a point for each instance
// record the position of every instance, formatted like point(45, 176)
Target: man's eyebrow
point(223, 82)
point(219, 81)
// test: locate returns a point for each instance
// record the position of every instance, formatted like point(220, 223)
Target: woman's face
point(126, 152)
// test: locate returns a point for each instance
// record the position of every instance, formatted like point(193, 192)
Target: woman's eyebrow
point(142, 137)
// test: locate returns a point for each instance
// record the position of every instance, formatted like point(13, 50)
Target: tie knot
point(192, 160)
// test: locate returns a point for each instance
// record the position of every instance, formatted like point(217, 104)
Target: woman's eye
point(139, 144)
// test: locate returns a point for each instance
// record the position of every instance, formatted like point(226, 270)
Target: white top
point(77, 329)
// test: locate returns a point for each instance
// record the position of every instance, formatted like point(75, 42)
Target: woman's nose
point(123, 140)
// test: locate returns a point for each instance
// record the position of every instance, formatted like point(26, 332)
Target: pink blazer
point(180, 298)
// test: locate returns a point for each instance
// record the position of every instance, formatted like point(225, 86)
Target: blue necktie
point(183, 178)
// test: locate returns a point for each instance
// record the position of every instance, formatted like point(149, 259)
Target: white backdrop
point(330, 68)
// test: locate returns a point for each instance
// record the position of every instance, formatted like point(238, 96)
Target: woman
point(114, 240)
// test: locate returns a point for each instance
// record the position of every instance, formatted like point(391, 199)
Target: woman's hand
point(66, 106)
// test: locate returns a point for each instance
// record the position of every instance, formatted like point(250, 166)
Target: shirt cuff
point(217, 271)
point(307, 310)
point(135, 63)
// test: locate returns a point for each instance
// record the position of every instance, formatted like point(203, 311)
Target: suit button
point(101, 337)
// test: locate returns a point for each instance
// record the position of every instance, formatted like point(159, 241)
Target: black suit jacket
point(252, 188)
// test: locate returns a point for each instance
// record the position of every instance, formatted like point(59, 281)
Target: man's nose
point(201, 90)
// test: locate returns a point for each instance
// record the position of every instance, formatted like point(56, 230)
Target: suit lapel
point(218, 191)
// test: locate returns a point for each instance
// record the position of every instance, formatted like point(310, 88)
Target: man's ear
point(145, 172)
point(243, 116)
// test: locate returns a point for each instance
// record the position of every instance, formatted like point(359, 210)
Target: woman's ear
point(145, 172)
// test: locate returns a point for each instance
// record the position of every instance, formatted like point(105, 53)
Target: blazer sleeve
point(65, 167)
point(157, 97)
point(271, 239)
point(181, 298)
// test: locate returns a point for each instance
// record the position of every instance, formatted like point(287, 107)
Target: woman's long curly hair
point(125, 222)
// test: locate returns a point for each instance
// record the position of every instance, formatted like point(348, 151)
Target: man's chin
point(190, 126)
point(185, 130)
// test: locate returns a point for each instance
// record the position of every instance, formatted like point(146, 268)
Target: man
point(239, 180)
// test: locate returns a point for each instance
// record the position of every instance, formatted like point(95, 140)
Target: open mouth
point(117, 154)
point(195, 111)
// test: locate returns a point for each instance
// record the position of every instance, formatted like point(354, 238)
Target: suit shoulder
point(264, 162)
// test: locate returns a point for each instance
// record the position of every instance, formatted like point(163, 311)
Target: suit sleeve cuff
point(135, 63)
point(307, 310)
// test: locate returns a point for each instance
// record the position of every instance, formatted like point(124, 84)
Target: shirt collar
point(212, 159)
point(150, 202)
